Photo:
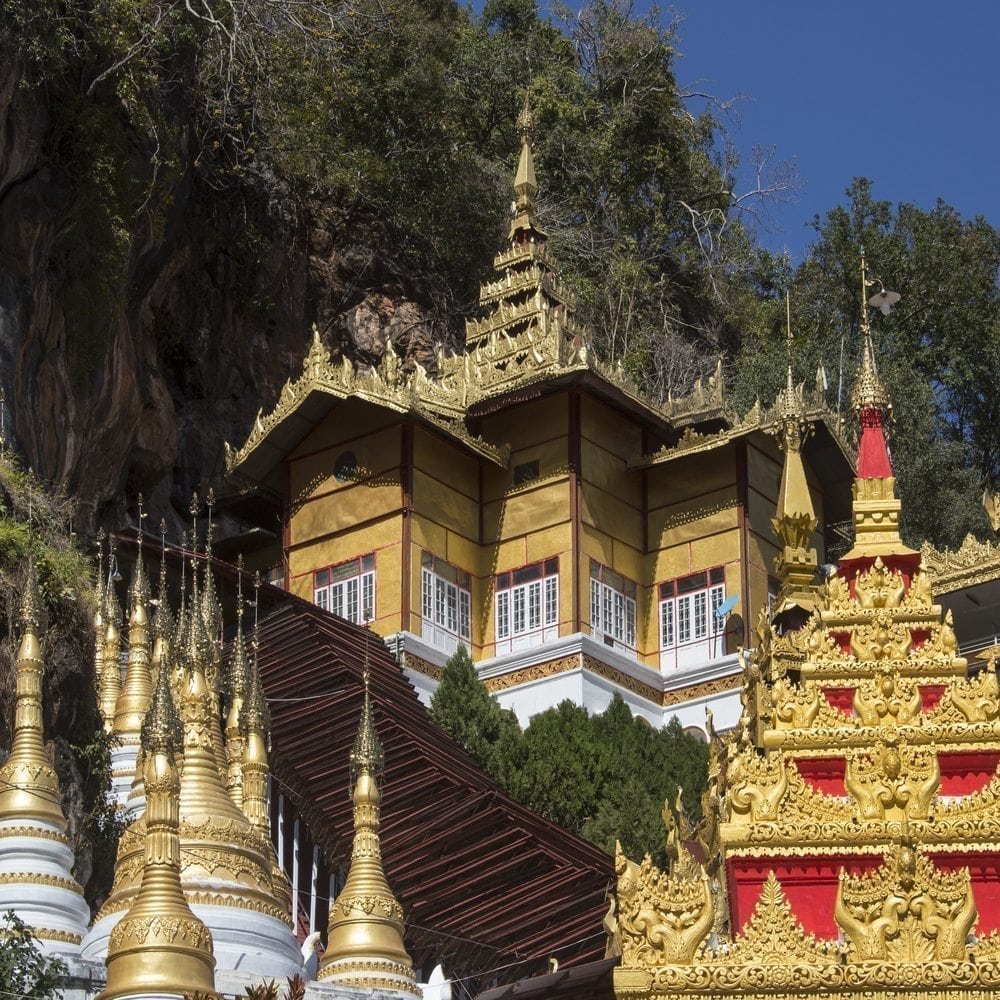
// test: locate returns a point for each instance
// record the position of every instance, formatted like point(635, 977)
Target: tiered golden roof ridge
point(529, 334)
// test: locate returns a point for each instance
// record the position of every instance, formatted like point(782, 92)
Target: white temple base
point(123, 758)
point(43, 892)
point(243, 941)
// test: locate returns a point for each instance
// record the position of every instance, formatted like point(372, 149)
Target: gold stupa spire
point(876, 506)
point(237, 680)
point(100, 616)
point(29, 787)
point(160, 946)
point(525, 185)
point(163, 624)
point(137, 689)
point(365, 943)
point(254, 728)
point(795, 519)
point(111, 678)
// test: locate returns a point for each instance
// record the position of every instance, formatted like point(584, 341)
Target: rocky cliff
point(146, 312)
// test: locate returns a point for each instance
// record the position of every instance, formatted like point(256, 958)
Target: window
point(526, 472)
point(527, 606)
point(612, 607)
point(690, 629)
point(445, 603)
point(347, 589)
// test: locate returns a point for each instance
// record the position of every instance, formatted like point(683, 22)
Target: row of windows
point(527, 605)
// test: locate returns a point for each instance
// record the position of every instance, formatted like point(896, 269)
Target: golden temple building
point(849, 837)
point(529, 502)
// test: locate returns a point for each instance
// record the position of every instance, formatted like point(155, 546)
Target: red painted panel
point(825, 775)
point(810, 885)
point(840, 698)
point(930, 694)
point(965, 773)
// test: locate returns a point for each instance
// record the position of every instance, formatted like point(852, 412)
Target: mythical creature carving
point(794, 706)
point(887, 700)
point(906, 911)
point(662, 918)
point(892, 781)
point(757, 785)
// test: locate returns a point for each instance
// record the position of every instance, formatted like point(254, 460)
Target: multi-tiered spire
point(365, 944)
point(228, 869)
point(36, 862)
point(160, 949)
point(795, 519)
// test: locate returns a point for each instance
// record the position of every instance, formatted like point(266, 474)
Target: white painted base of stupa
point(46, 896)
point(243, 941)
point(123, 758)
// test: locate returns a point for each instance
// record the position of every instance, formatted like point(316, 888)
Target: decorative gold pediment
point(973, 562)
point(906, 911)
point(662, 918)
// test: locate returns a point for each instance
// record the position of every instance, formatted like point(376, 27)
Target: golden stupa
point(365, 941)
point(160, 947)
point(851, 823)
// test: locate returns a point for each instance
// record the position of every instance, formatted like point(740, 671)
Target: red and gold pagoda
point(852, 822)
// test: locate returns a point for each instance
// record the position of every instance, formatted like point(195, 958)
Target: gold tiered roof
point(852, 819)
point(528, 333)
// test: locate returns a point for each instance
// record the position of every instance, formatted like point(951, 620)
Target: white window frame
point(689, 626)
point(347, 589)
point(445, 605)
point(527, 613)
point(612, 608)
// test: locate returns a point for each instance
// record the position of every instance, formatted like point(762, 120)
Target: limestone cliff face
point(134, 342)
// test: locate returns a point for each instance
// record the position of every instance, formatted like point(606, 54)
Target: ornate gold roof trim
point(973, 562)
point(386, 386)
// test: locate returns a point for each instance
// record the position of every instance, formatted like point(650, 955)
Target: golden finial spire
point(255, 724)
point(365, 943)
point(869, 393)
point(29, 787)
point(137, 689)
point(163, 624)
point(111, 679)
point(160, 946)
point(795, 519)
point(525, 184)
point(100, 624)
point(237, 682)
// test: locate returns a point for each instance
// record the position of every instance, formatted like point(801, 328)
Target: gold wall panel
point(349, 422)
point(690, 477)
point(553, 541)
point(694, 518)
point(339, 512)
point(446, 506)
point(529, 509)
point(428, 534)
point(332, 550)
point(445, 462)
point(614, 515)
point(611, 430)
point(464, 553)
point(530, 422)
point(377, 454)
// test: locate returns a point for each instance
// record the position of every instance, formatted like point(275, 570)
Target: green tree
point(465, 710)
point(25, 973)
point(935, 350)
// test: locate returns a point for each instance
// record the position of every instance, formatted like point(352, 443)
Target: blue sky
point(906, 93)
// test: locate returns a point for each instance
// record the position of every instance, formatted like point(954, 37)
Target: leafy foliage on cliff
point(604, 776)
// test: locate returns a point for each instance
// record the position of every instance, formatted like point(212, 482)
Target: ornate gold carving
point(34, 878)
point(906, 911)
point(662, 918)
point(971, 563)
point(891, 780)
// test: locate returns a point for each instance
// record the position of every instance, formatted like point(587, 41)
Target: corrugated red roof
point(490, 888)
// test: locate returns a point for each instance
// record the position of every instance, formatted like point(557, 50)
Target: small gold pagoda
point(365, 942)
point(160, 948)
point(851, 822)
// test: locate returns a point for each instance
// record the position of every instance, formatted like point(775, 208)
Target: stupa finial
point(525, 222)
